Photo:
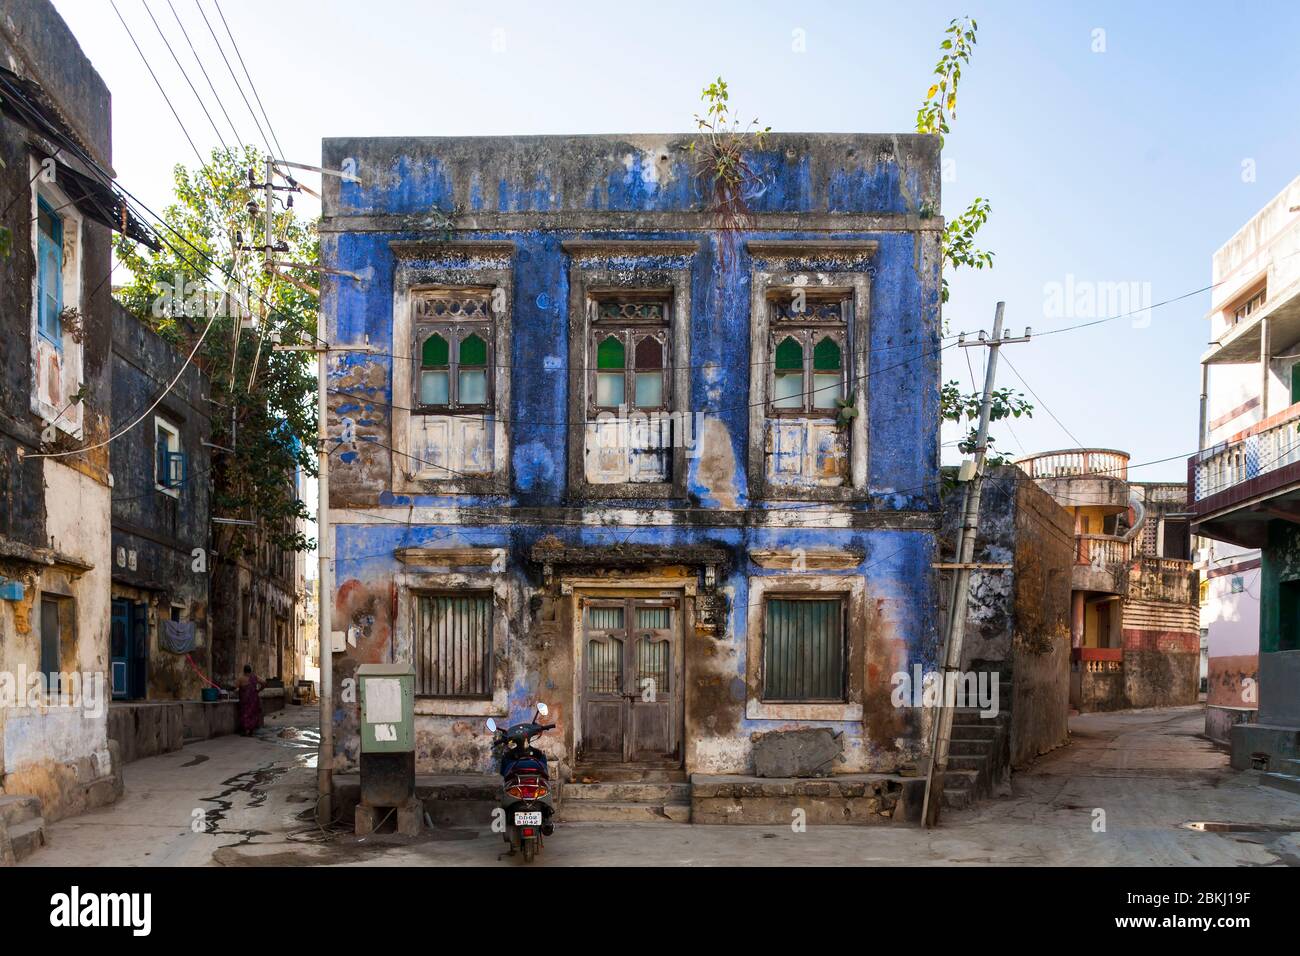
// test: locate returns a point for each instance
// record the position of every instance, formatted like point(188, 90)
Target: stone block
point(796, 753)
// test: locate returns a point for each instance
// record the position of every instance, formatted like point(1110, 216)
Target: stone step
point(27, 837)
point(624, 774)
point(628, 792)
point(970, 746)
point(972, 717)
point(18, 808)
point(985, 731)
point(1281, 781)
point(597, 811)
point(967, 762)
point(957, 798)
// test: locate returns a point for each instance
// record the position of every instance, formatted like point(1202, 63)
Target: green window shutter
point(611, 354)
point(435, 353)
point(789, 356)
point(826, 355)
point(803, 651)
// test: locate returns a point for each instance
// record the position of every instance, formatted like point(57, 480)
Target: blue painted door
point(129, 649)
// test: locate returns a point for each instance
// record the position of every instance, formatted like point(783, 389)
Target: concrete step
point(27, 837)
point(628, 792)
point(967, 762)
point(1281, 781)
point(957, 798)
point(985, 731)
point(17, 808)
point(972, 717)
point(625, 774)
point(598, 811)
point(970, 746)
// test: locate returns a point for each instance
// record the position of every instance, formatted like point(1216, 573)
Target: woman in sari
point(250, 701)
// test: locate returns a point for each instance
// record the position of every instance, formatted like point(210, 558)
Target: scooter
point(526, 784)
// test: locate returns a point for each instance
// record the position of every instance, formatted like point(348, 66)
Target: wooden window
point(628, 340)
point(1253, 303)
point(49, 273)
point(803, 650)
point(453, 351)
point(808, 339)
point(453, 645)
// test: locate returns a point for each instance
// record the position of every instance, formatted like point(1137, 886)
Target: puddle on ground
point(1212, 826)
point(252, 782)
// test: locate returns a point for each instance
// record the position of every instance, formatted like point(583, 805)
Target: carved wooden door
point(631, 680)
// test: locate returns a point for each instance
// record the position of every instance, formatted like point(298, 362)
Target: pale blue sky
point(1117, 166)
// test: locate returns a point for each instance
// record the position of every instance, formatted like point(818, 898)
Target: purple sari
point(250, 705)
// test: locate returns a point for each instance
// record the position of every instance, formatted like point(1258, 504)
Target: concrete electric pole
point(971, 475)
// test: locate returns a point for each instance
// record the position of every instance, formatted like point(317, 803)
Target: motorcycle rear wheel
point(530, 850)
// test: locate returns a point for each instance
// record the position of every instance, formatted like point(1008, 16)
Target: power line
point(145, 60)
point(202, 105)
point(198, 59)
point(251, 84)
point(238, 85)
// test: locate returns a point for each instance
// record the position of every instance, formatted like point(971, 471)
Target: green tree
point(263, 404)
point(958, 241)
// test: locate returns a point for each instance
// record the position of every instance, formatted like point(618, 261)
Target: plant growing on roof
point(938, 106)
point(721, 166)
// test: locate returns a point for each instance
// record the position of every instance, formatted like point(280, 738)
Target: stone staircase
point(1287, 778)
point(22, 828)
point(626, 796)
point(977, 755)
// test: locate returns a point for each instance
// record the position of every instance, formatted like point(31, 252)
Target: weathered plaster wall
point(1018, 621)
point(156, 534)
point(54, 512)
point(538, 192)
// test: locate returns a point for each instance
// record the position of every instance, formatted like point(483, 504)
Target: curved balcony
point(1101, 563)
point(1082, 477)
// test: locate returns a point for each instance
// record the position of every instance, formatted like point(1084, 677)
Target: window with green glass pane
point(611, 371)
point(787, 391)
point(435, 371)
point(828, 373)
point(472, 372)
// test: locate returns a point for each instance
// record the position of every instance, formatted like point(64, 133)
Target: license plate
point(530, 819)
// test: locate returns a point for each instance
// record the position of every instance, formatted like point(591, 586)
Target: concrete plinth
point(409, 818)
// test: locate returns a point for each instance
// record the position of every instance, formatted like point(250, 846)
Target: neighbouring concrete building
point(1135, 626)
point(161, 492)
point(1246, 490)
point(677, 480)
point(1017, 622)
point(57, 209)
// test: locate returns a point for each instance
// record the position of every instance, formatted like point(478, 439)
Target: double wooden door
point(631, 687)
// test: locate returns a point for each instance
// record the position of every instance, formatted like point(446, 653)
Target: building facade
point(679, 481)
point(1135, 626)
point(1246, 484)
point(161, 643)
point(57, 209)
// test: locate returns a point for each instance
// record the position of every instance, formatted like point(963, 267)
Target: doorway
point(630, 683)
point(129, 649)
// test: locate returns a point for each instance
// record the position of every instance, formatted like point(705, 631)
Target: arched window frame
point(478, 321)
point(610, 317)
point(825, 315)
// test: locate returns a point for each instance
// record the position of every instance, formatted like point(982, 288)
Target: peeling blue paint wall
point(538, 192)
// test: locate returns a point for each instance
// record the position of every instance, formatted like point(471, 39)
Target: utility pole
point(324, 580)
point(971, 475)
point(324, 540)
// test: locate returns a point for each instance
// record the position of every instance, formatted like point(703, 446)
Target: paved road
point(1146, 771)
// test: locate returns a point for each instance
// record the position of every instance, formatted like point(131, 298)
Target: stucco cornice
point(591, 248)
point(451, 248)
point(806, 248)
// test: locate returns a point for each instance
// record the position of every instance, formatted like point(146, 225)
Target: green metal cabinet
point(387, 708)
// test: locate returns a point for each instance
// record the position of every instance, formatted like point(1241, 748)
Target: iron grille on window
point(453, 645)
point(803, 650)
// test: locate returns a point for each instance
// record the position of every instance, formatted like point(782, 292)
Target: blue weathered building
point(734, 555)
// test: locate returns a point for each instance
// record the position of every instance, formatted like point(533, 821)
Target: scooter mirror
point(492, 725)
point(543, 709)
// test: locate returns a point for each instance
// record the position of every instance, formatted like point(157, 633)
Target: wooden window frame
point(630, 332)
point(839, 598)
point(454, 332)
point(808, 332)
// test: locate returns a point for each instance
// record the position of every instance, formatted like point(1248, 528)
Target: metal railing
point(1260, 449)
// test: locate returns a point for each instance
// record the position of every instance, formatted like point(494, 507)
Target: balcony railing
point(1102, 550)
point(1166, 580)
point(1272, 444)
point(1077, 463)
